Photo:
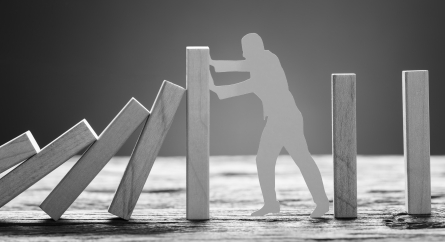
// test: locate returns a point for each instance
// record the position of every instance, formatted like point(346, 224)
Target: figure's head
point(252, 45)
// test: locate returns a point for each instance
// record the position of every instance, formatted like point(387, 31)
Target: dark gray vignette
point(62, 61)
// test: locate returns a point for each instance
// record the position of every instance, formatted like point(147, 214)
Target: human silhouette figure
point(284, 127)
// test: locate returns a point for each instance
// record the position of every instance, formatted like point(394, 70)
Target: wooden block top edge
point(416, 75)
point(413, 71)
point(90, 128)
point(84, 121)
point(197, 47)
point(166, 83)
point(33, 141)
point(12, 140)
point(173, 84)
point(343, 74)
point(133, 100)
point(342, 77)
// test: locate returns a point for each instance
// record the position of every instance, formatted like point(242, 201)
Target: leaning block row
point(94, 159)
point(38, 163)
point(17, 150)
point(49, 158)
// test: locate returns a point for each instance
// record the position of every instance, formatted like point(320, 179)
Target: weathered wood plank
point(160, 212)
point(416, 133)
point(94, 159)
point(49, 158)
point(198, 103)
point(225, 224)
point(344, 145)
point(146, 150)
point(17, 150)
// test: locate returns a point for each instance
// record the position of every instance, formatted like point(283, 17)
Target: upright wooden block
point(94, 159)
point(344, 145)
point(198, 133)
point(146, 150)
point(416, 134)
point(49, 158)
point(17, 150)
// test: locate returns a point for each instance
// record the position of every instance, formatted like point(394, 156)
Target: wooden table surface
point(234, 194)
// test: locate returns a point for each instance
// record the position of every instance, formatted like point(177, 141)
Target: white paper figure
point(284, 127)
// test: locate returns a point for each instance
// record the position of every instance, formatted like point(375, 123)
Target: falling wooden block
point(146, 150)
point(17, 150)
point(416, 134)
point(94, 159)
point(49, 158)
point(198, 133)
point(344, 145)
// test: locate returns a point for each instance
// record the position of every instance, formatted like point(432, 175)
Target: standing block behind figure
point(284, 127)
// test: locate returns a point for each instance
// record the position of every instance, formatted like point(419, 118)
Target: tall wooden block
point(416, 133)
point(49, 158)
point(17, 150)
point(198, 133)
point(344, 145)
point(146, 150)
point(94, 159)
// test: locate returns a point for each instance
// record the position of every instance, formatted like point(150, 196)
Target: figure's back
point(272, 87)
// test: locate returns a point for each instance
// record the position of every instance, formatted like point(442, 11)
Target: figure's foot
point(268, 208)
point(320, 210)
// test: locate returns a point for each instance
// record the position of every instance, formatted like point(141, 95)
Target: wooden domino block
point(197, 133)
point(94, 159)
point(344, 145)
point(146, 150)
point(49, 158)
point(17, 150)
point(416, 134)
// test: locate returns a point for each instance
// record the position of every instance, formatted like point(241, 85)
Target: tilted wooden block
point(49, 158)
point(146, 150)
point(94, 159)
point(198, 103)
point(17, 150)
point(344, 145)
point(416, 132)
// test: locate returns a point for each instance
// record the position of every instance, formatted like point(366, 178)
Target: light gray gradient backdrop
point(62, 61)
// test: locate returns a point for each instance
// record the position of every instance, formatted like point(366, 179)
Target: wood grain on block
point(17, 150)
point(49, 158)
point(94, 159)
point(344, 145)
point(416, 132)
point(146, 150)
point(197, 133)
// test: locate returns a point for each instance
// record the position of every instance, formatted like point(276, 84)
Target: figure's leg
point(266, 159)
point(299, 152)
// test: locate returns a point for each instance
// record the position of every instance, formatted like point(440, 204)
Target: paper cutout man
point(284, 127)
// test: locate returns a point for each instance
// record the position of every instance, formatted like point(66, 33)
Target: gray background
point(62, 61)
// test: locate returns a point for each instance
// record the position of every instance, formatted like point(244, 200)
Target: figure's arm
point(234, 90)
point(229, 66)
